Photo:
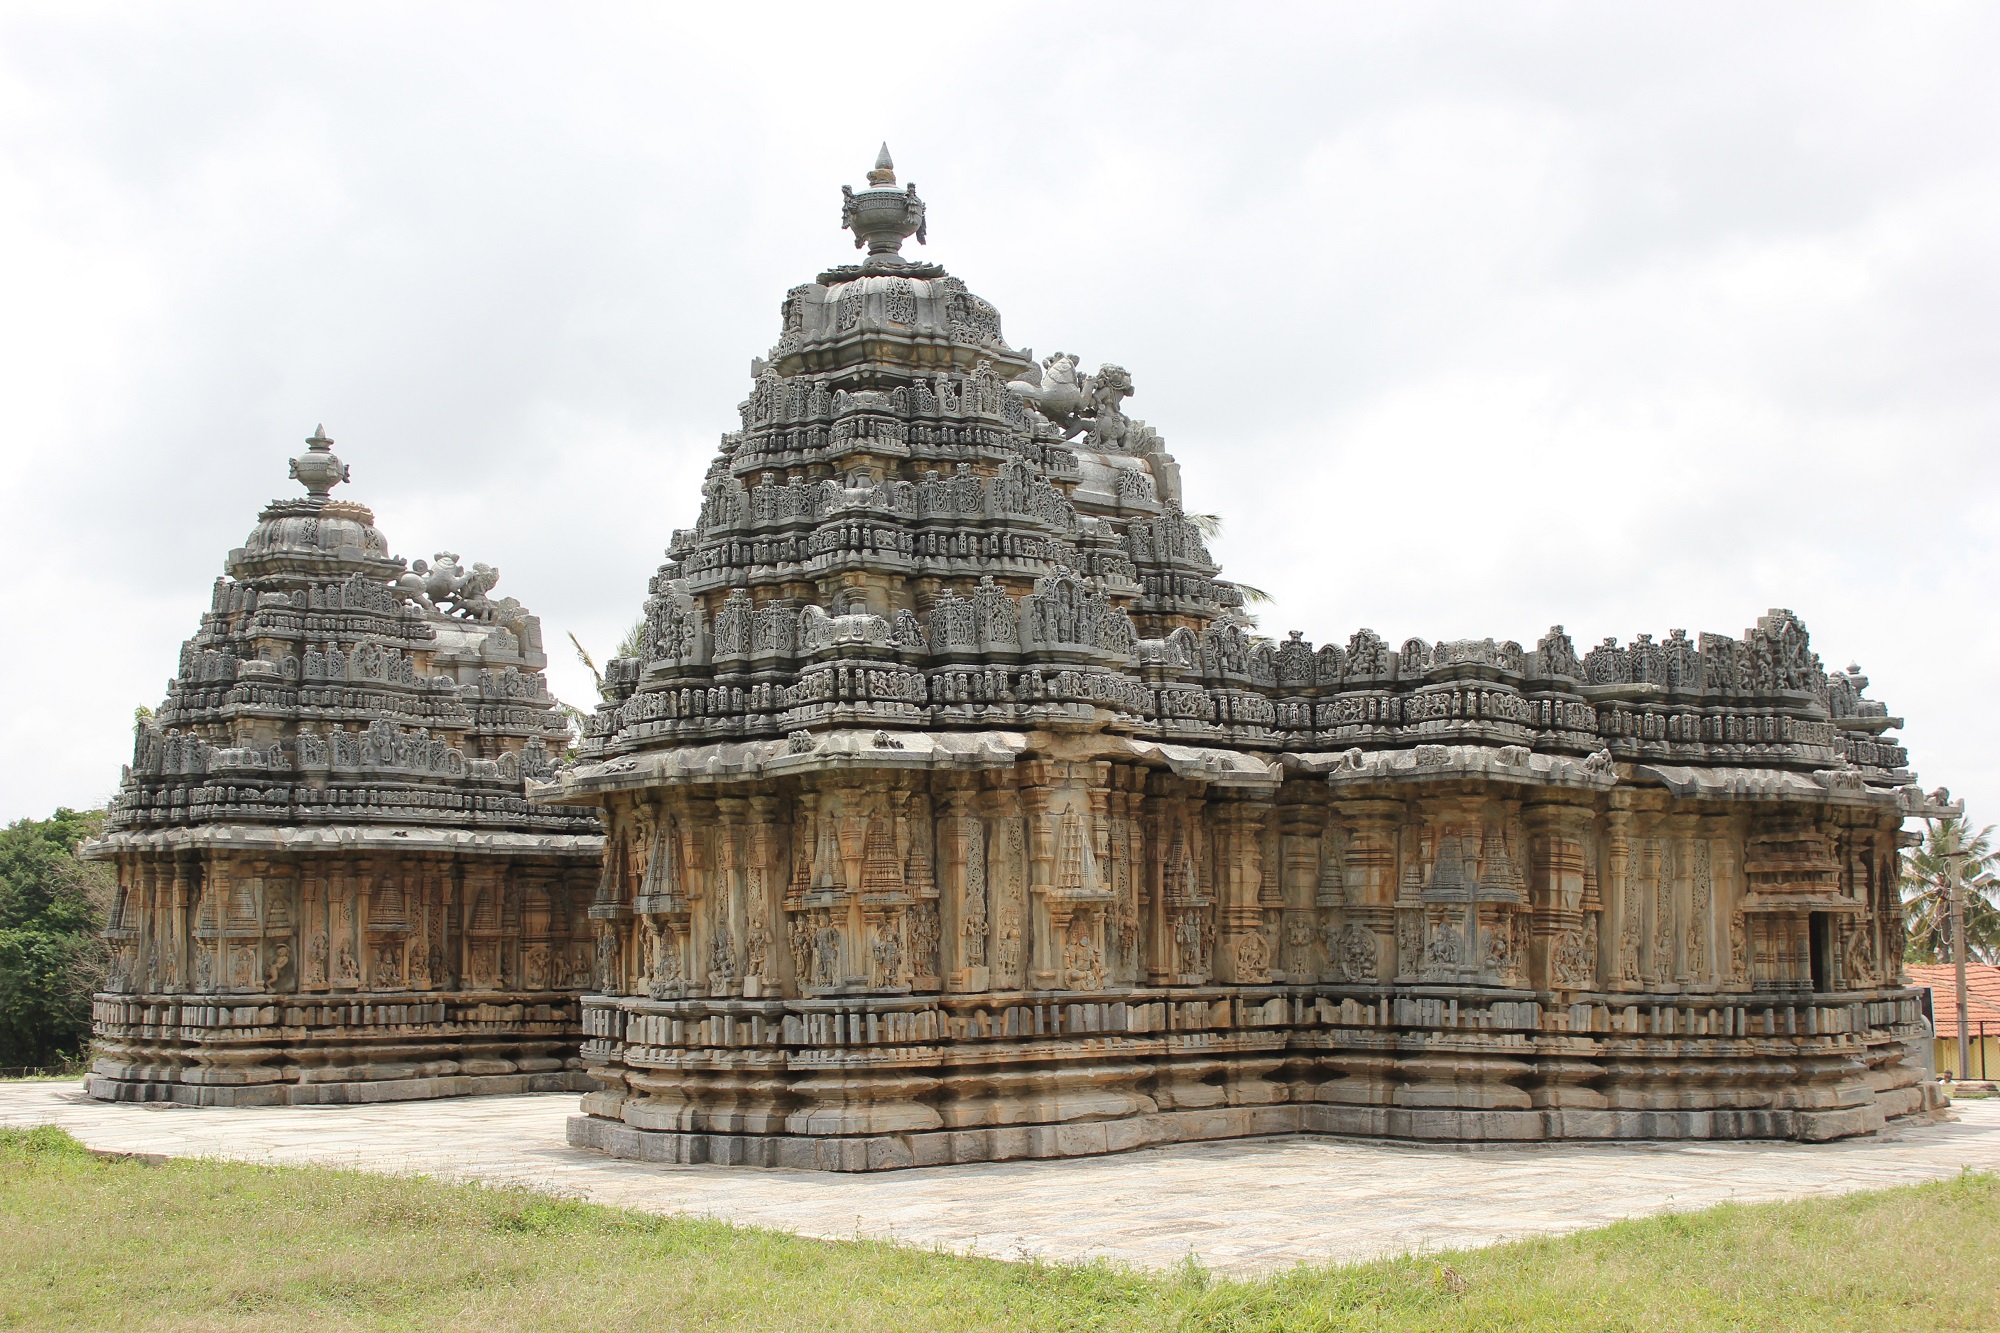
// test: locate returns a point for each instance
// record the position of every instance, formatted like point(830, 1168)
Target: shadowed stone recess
point(957, 812)
point(331, 886)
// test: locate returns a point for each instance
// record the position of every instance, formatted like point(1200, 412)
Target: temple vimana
point(331, 885)
point(954, 810)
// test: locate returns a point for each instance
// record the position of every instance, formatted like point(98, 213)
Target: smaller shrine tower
point(331, 887)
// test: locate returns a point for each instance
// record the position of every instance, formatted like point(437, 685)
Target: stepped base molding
point(1092, 1075)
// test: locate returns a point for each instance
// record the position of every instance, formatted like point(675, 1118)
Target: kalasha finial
point(885, 168)
point(318, 468)
point(881, 216)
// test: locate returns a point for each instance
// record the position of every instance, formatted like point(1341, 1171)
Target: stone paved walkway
point(1245, 1207)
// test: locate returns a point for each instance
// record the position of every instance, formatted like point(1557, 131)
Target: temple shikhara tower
point(956, 812)
point(331, 886)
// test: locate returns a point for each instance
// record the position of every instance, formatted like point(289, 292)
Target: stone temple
point(956, 813)
point(331, 887)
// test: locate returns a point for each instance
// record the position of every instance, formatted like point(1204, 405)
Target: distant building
point(1982, 983)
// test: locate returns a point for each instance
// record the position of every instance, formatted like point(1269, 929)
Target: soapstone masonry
point(955, 812)
point(331, 887)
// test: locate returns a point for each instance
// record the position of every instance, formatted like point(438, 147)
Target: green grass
point(92, 1243)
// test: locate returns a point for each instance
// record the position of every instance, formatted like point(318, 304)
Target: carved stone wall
point(331, 886)
point(957, 812)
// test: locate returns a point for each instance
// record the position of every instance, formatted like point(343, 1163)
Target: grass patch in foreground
point(94, 1243)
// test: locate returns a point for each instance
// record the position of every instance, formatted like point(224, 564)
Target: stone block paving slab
point(1244, 1207)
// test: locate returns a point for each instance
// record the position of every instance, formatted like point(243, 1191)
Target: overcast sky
point(1468, 319)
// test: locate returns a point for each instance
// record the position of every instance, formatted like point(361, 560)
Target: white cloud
point(1468, 320)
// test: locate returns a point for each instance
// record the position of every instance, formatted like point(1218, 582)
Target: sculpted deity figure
point(667, 960)
point(607, 959)
point(1081, 957)
point(722, 954)
point(1253, 956)
point(1010, 947)
point(826, 953)
point(1858, 960)
point(887, 951)
point(1446, 949)
point(1358, 953)
point(279, 974)
point(798, 935)
point(1298, 941)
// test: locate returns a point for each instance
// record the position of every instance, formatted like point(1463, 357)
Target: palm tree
point(1210, 527)
point(631, 645)
point(1949, 846)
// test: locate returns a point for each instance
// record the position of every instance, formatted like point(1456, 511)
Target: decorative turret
point(319, 469)
point(325, 821)
point(881, 216)
point(348, 682)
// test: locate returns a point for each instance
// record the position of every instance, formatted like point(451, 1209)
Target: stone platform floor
point(1244, 1207)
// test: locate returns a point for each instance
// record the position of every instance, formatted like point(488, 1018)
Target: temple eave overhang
point(1351, 773)
point(750, 761)
point(337, 838)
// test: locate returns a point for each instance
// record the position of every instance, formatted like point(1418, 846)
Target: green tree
point(52, 906)
point(632, 645)
point(1927, 892)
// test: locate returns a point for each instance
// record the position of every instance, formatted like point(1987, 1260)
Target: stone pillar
point(724, 955)
point(697, 820)
point(1300, 829)
point(965, 921)
point(1370, 884)
point(1158, 918)
point(1244, 957)
point(1678, 898)
point(313, 943)
point(1625, 920)
point(1120, 870)
point(923, 921)
point(760, 971)
point(1708, 965)
point(1007, 882)
point(1044, 959)
point(181, 870)
point(1562, 952)
point(801, 940)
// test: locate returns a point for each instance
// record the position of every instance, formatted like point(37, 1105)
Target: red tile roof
point(1982, 987)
